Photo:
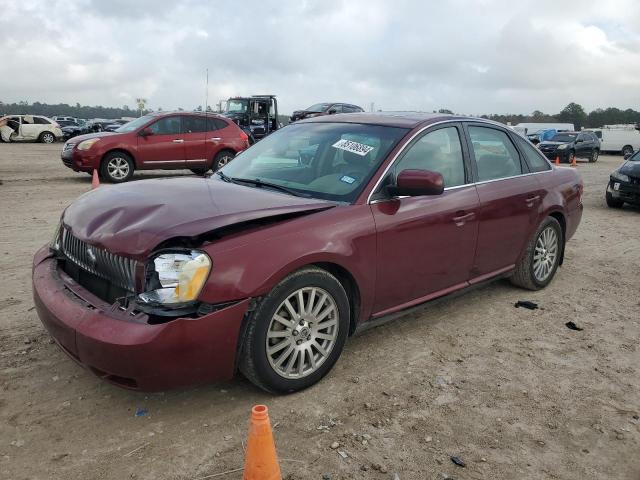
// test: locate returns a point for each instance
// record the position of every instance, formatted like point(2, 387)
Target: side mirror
point(332, 111)
point(415, 183)
point(146, 132)
point(627, 155)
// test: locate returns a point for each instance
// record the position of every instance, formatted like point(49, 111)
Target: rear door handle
point(178, 140)
point(463, 217)
point(531, 201)
point(216, 139)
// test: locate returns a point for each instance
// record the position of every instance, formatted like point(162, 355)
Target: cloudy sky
point(471, 56)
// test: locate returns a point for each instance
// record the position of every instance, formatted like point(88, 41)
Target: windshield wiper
point(224, 177)
point(260, 183)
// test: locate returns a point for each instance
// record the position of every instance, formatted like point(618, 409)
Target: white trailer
point(619, 139)
point(533, 127)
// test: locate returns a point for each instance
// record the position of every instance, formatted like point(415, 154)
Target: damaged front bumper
point(124, 348)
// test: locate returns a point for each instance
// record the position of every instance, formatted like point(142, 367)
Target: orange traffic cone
point(261, 461)
point(574, 163)
point(558, 160)
point(95, 180)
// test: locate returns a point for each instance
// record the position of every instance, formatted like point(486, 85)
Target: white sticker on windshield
point(353, 147)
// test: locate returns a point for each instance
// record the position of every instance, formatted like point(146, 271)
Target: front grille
point(634, 180)
point(117, 270)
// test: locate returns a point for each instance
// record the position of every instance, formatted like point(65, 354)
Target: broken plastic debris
point(458, 461)
point(141, 412)
point(526, 304)
point(573, 326)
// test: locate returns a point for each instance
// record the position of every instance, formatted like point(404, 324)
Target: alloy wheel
point(545, 254)
point(302, 332)
point(118, 168)
point(48, 138)
point(222, 161)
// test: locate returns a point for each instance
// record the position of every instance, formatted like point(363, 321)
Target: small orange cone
point(574, 163)
point(95, 180)
point(558, 160)
point(261, 460)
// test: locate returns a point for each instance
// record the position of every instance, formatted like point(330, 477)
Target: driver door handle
point(463, 217)
point(178, 140)
point(531, 201)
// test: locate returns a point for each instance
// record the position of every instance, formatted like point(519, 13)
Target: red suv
point(167, 141)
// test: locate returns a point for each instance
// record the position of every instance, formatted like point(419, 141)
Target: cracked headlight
point(175, 278)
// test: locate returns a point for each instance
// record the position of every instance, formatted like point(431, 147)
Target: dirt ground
point(512, 392)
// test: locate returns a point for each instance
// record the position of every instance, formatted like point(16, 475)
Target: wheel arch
point(120, 150)
point(349, 283)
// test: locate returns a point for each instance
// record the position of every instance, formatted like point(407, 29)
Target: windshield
point(635, 157)
point(237, 106)
point(564, 137)
point(318, 107)
point(331, 161)
point(134, 124)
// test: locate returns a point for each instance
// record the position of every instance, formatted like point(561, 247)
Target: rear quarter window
point(532, 156)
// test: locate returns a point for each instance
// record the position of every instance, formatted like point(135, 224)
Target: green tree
point(573, 113)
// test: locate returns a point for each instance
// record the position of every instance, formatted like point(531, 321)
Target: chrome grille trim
point(120, 271)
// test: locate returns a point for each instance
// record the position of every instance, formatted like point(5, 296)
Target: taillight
point(56, 125)
point(243, 136)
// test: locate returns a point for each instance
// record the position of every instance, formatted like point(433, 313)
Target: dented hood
point(131, 219)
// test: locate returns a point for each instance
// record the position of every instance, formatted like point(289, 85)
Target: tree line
point(572, 113)
point(66, 110)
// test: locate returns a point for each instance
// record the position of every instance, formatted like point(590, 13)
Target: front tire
point(296, 333)
point(541, 258)
point(47, 137)
point(571, 157)
point(116, 167)
point(613, 202)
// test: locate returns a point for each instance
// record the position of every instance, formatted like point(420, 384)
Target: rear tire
point(541, 258)
point(116, 167)
point(47, 137)
point(222, 158)
point(613, 202)
point(290, 344)
point(627, 149)
point(594, 156)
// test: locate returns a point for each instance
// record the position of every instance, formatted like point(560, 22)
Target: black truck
point(256, 115)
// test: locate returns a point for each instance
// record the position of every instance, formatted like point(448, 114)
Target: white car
point(21, 128)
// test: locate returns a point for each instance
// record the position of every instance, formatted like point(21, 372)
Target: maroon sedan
point(271, 264)
point(168, 141)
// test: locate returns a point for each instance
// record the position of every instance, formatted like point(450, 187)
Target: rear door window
point(215, 124)
point(41, 121)
point(495, 154)
point(194, 124)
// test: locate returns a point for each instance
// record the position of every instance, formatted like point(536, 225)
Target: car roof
point(392, 119)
